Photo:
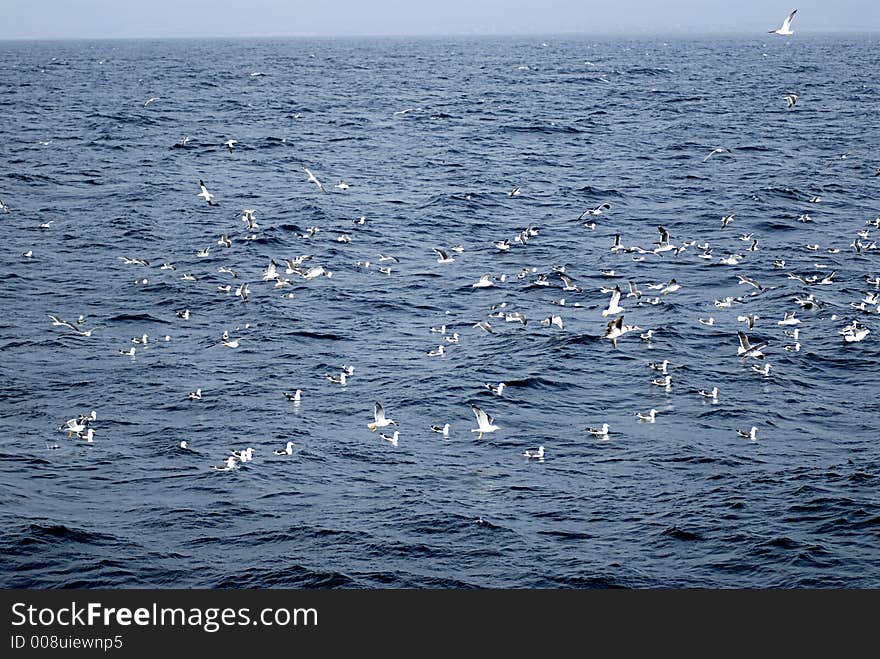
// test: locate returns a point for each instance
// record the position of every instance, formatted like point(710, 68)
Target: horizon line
point(671, 32)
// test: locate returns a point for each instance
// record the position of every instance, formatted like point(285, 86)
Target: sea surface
point(432, 136)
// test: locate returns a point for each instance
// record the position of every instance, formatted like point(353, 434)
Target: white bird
point(665, 382)
point(751, 434)
point(391, 438)
point(229, 465)
point(710, 394)
point(443, 257)
point(287, 450)
point(662, 366)
point(535, 453)
point(765, 371)
point(670, 287)
point(650, 417)
point(595, 211)
point(229, 144)
point(380, 420)
point(295, 397)
point(443, 430)
point(205, 194)
point(746, 349)
point(714, 151)
point(497, 389)
point(791, 99)
point(554, 320)
point(514, 193)
point(484, 282)
point(313, 179)
point(195, 395)
point(183, 314)
point(785, 30)
point(599, 432)
point(150, 100)
point(234, 343)
point(789, 319)
point(616, 329)
point(613, 306)
point(485, 422)
point(341, 380)
point(438, 352)
point(128, 353)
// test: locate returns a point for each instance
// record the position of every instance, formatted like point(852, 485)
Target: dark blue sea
point(432, 136)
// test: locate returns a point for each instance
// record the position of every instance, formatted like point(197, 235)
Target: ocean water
point(432, 136)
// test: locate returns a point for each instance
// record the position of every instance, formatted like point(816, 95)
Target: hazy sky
point(46, 19)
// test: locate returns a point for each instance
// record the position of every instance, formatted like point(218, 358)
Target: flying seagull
point(229, 144)
point(381, 421)
point(313, 179)
point(485, 422)
point(207, 195)
point(785, 30)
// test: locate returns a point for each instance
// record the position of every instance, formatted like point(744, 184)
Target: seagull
point(225, 241)
point(710, 321)
point(727, 219)
point(207, 195)
point(789, 319)
point(287, 450)
point(785, 30)
point(616, 329)
point(662, 366)
point(533, 453)
point(484, 282)
point(791, 99)
point(714, 151)
point(195, 395)
point(514, 193)
point(229, 144)
point(128, 353)
point(56, 321)
point(663, 245)
point(710, 394)
point(183, 314)
point(342, 185)
point(599, 432)
point(3, 207)
point(390, 438)
point(853, 333)
point(294, 397)
point(665, 381)
point(750, 319)
point(746, 349)
point(751, 282)
point(150, 100)
point(229, 465)
point(613, 306)
point(337, 380)
point(595, 211)
point(554, 320)
point(234, 343)
point(443, 257)
point(203, 252)
point(438, 352)
point(670, 287)
point(313, 179)
point(751, 434)
point(381, 421)
point(485, 326)
point(502, 245)
point(649, 417)
point(765, 371)
point(496, 389)
point(485, 422)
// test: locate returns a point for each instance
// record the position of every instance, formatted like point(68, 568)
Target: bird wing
point(440, 253)
point(379, 413)
point(786, 24)
point(615, 297)
point(743, 340)
point(482, 417)
point(664, 235)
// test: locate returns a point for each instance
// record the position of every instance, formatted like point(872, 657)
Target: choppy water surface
point(431, 136)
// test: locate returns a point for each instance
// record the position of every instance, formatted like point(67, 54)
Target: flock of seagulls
point(282, 274)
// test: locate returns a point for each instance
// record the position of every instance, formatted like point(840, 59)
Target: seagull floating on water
point(287, 450)
point(535, 453)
